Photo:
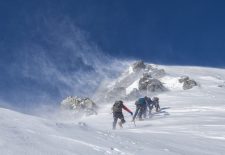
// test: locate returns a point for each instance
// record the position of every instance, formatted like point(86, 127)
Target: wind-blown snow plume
point(59, 59)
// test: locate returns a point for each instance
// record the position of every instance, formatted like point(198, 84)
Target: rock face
point(155, 86)
point(138, 66)
point(150, 84)
point(138, 80)
point(154, 71)
point(149, 81)
point(158, 73)
point(144, 81)
point(82, 105)
point(187, 82)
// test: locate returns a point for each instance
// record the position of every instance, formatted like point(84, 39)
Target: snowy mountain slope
point(24, 134)
point(190, 122)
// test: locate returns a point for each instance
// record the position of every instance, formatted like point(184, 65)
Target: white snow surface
point(191, 122)
point(132, 86)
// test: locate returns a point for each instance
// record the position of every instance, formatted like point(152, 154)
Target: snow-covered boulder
point(138, 66)
point(187, 82)
point(155, 86)
point(150, 84)
point(82, 105)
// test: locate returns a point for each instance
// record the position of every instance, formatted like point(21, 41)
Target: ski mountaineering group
point(142, 106)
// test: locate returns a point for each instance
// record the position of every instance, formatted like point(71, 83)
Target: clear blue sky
point(181, 32)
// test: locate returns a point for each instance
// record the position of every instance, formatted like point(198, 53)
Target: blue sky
point(53, 34)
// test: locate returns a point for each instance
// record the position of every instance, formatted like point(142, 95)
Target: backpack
point(117, 107)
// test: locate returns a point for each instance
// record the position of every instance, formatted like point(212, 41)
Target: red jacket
point(125, 108)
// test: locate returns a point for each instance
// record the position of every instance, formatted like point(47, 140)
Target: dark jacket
point(118, 106)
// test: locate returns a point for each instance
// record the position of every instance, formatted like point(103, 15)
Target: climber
point(118, 114)
point(141, 106)
point(155, 101)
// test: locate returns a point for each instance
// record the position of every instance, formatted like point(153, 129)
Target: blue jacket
point(142, 101)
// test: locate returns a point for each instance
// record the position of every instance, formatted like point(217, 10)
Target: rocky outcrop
point(155, 86)
point(81, 105)
point(154, 71)
point(139, 79)
point(187, 82)
point(158, 73)
point(147, 83)
point(138, 66)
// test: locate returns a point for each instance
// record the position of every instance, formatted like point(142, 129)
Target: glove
point(131, 113)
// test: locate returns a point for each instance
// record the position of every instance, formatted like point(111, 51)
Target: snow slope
point(190, 122)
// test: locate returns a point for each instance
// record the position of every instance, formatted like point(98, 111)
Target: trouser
point(150, 108)
point(139, 111)
point(144, 111)
point(157, 107)
point(116, 116)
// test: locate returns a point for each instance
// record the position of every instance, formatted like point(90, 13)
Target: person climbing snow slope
point(118, 114)
point(141, 106)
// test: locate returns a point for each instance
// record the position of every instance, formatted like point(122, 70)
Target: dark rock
point(158, 73)
point(183, 79)
point(149, 67)
point(155, 86)
point(150, 84)
point(147, 75)
point(138, 66)
point(222, 85)
point(187, 82)
point(143, 82)
point(154, 71)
